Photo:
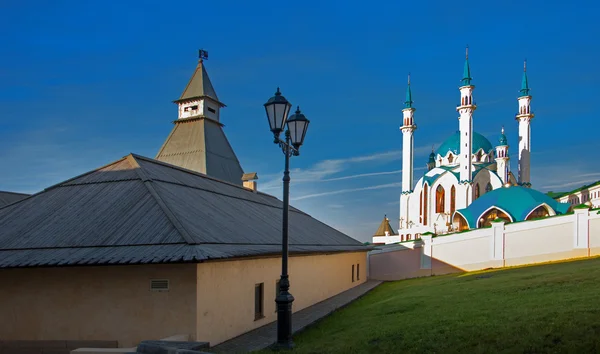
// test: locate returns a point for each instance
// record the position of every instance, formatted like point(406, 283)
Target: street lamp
point(278, 108)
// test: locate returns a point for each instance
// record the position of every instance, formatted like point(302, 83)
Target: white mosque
point(465, 167)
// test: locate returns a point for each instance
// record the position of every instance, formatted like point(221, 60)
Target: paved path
point(266, 335)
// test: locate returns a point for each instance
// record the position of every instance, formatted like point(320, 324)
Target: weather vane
point(202, 54)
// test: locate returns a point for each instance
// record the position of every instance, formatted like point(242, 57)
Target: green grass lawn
point(551, 308)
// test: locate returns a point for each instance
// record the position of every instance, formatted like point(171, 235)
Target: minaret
point(466, 109)
point(502, 158)
point(407, 141)
point(407, 128)
point(524, 118)
point(431, 161)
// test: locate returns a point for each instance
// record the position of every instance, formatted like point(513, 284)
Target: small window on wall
point(353, 273)
point(358, 272)
point(211, 110)
point(259, 301)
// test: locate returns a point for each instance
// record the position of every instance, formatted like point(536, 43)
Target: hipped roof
point(385, 226)
point(10, 197)
point(138, 210)
point(199, 86)
point(200, 144)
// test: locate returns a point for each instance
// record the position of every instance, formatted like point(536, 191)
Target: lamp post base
point(284, 321)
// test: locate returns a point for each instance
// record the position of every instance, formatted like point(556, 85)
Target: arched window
point(479, 156)
point(459, 223)
point(421, 207)
point(476, 191)
point(425, 204)
point(450, 158)
point(440, 196)
point(539, 212)
point(488, 187)
point(491, 215)
point(452, 200)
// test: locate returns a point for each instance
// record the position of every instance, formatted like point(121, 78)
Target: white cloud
point(322, 170)
point(574, 184)
point(349, 190)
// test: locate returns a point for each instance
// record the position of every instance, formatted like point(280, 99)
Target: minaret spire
point(524, 83)
point(408, 102)
point(524, 118)
point(466, 80)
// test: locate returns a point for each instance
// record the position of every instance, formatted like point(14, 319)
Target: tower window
point(211, 110)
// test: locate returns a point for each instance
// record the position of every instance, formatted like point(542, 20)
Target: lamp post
point(278, 108)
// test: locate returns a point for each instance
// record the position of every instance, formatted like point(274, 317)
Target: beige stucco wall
point(97, 303)
point(226, 289)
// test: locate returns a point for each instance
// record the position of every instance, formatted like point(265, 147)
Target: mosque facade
point(465, 166)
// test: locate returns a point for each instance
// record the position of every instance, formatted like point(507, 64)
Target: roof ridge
point(203, 175)
point(228, 144)
point(92, 246)
point(84, 174)
point(232, 196)
point(163, 206)
point(199, 66)
point(17, 193)
point(59, 184)
point(97, 182)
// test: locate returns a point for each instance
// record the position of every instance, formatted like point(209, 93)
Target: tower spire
point(524, 83)
point(408, 103)
point(466, 80)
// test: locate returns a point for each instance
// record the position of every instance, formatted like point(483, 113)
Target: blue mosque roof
point(453, 144)
point(502, 141)
point(517, 201)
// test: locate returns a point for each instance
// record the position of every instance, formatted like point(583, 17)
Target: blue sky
point(84, 83)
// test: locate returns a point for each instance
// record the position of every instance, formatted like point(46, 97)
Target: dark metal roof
point(138, 210)
point(10, 197)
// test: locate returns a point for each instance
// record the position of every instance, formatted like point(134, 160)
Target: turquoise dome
point(502, 141)
point(517, 201)
point(453, 144)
